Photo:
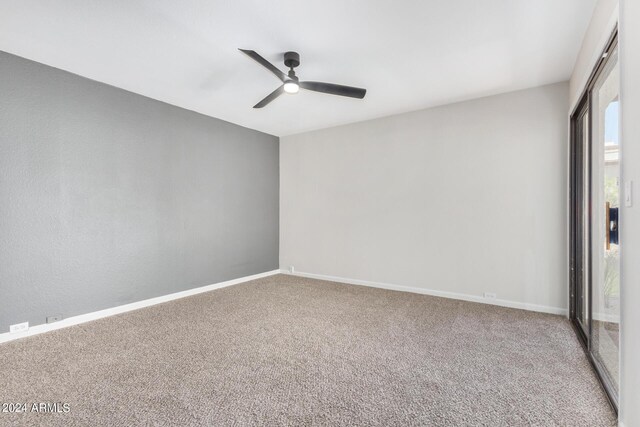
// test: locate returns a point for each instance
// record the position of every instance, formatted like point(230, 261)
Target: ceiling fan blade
point(353, 92)
point(273, 95)
point(266, 64)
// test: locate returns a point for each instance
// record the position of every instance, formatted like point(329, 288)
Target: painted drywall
point(107, 197)
point(409, 55)
point(467, 198)
point(630, 216)
point(601, 26)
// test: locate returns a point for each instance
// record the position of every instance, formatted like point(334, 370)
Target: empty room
point(329, 213)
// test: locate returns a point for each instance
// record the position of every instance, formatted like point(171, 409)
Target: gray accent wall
point(108, 197)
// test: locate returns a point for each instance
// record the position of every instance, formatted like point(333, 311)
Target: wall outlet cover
point(19, 327)
point(489, 295)
point(54, 318)
point(292, 269)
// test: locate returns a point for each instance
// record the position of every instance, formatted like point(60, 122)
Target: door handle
point(612, 225)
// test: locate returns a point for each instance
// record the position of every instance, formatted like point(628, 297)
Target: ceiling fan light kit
point(291, 83)
point(291, 86)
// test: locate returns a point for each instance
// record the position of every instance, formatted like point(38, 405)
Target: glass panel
point(605, 203)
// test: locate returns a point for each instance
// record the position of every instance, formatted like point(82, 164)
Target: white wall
point(630, 216)
point(465, 198)
point(601, 26)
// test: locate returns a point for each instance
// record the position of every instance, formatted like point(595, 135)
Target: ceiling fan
point(291, 83)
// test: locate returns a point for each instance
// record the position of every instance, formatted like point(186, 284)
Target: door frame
point(576, 203)
point(577, 179)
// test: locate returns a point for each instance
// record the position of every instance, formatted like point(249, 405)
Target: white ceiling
point(409, 54)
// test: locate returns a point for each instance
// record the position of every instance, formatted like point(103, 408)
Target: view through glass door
point(606, 201)
point(595, 202)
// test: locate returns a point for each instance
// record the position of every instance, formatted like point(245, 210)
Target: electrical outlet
point(19, 327)
point(292, 269)
point(489, 295)
point(54, 318)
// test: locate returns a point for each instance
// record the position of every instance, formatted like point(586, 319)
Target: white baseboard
point(75, 320)
point(444, 294)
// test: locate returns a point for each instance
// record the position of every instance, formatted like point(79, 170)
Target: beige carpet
point(292, 351)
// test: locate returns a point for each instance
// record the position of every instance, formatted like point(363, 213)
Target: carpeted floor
point(291, 351)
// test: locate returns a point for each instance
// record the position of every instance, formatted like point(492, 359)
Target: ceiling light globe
point(291, 87)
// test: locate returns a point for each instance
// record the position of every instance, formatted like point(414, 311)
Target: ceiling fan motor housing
point(291, 59)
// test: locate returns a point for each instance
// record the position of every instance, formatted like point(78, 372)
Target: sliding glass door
point(580, 218)
point(595, 197)
point(605, 198)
